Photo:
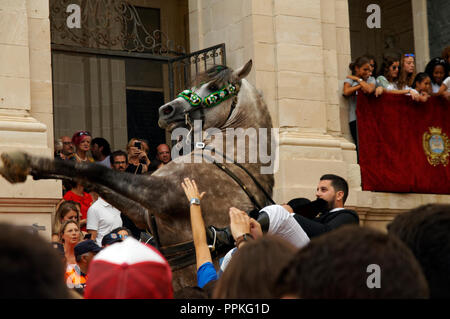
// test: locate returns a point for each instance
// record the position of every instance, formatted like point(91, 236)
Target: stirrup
point(213, 246)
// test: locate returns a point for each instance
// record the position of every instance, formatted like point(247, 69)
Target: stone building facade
point(300, 48)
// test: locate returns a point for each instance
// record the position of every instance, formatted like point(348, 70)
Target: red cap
point(129, 270)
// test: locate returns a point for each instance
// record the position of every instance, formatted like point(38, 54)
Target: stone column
point(296, 46)
point(26, 110)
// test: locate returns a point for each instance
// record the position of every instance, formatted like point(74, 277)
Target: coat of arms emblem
point(436, 146)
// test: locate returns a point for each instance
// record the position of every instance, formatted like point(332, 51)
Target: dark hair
point(254, 268)
point(387, 62)
point(30, 267)
point(446, 53)
point(101, 142)
point(336, 265)
point(190, 293)
point(420, 77)
point(359, 62)
point(425, 230)
point(113, 156)
point(375, 64)
point(429, 69)
point(338, 183)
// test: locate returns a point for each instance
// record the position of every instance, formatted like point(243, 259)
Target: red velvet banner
point(404, 145)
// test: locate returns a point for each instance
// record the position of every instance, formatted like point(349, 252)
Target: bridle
point(197, 103)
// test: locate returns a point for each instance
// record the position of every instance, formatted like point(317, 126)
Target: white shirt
point(103, 218)
point(446, 82)
point(283, 224)
point(105, 162)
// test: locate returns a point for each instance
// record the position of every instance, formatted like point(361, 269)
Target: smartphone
point(87, 236)
point(137, 144)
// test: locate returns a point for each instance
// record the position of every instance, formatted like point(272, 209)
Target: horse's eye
point(213, 87)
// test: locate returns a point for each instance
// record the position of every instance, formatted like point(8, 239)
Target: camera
point(137, 144)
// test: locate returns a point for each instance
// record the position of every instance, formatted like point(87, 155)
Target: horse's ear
point(242, 72)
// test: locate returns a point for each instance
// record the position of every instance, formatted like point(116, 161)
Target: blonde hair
point(143, 143)
point(63, 209)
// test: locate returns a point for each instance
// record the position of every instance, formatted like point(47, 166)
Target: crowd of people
point(299, 249)
point(84, 223)
point(397, 75)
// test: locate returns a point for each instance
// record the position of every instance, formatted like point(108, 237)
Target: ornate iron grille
point(108, 24)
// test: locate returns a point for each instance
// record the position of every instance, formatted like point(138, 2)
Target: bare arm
point(366, 87)
point(93, 234)
point(202, 253)
point(350, 90)
point(442, 91)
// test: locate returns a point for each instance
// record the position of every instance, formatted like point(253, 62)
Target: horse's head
point(211, 100)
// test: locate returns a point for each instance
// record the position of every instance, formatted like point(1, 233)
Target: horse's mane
point(218, 75)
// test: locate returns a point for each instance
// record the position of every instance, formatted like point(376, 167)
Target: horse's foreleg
point(142, 189)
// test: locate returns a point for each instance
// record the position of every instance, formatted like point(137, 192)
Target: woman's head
point(70, 232)
point(422, 82)
point(390, 68)
point(254, 269)
point(408, 63)
point(361, 67)
point(437, 69)
point(407, 71)
point(82, 140)
point(372, 63)
point(68, 210)
point(142, 144)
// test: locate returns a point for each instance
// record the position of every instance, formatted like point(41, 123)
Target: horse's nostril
point(168, 109)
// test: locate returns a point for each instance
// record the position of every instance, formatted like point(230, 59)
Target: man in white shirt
point(102, 218)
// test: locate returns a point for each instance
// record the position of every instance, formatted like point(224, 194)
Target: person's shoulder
point(447, 82)
point(350, 81)
point(371, 80)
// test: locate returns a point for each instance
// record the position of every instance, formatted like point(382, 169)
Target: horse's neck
point(250, 111)
point(250, 116)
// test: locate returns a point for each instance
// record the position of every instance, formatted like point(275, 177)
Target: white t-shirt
point(447, 83)
point(435, 87)
point(282, 224)
point(103, 218)
point(352, 99)
point(105, 162)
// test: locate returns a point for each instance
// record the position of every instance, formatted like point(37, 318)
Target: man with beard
point(333, 190)
point(101, 151)
point(316, 217)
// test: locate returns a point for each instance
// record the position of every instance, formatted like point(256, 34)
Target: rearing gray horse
point(222, 100)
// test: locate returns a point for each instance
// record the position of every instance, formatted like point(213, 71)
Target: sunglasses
point(394, 67)
point(122, 162)
point(67, 143)
point(84, 133)
point(409, 54)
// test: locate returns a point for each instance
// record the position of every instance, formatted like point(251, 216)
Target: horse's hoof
point(16, 167)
